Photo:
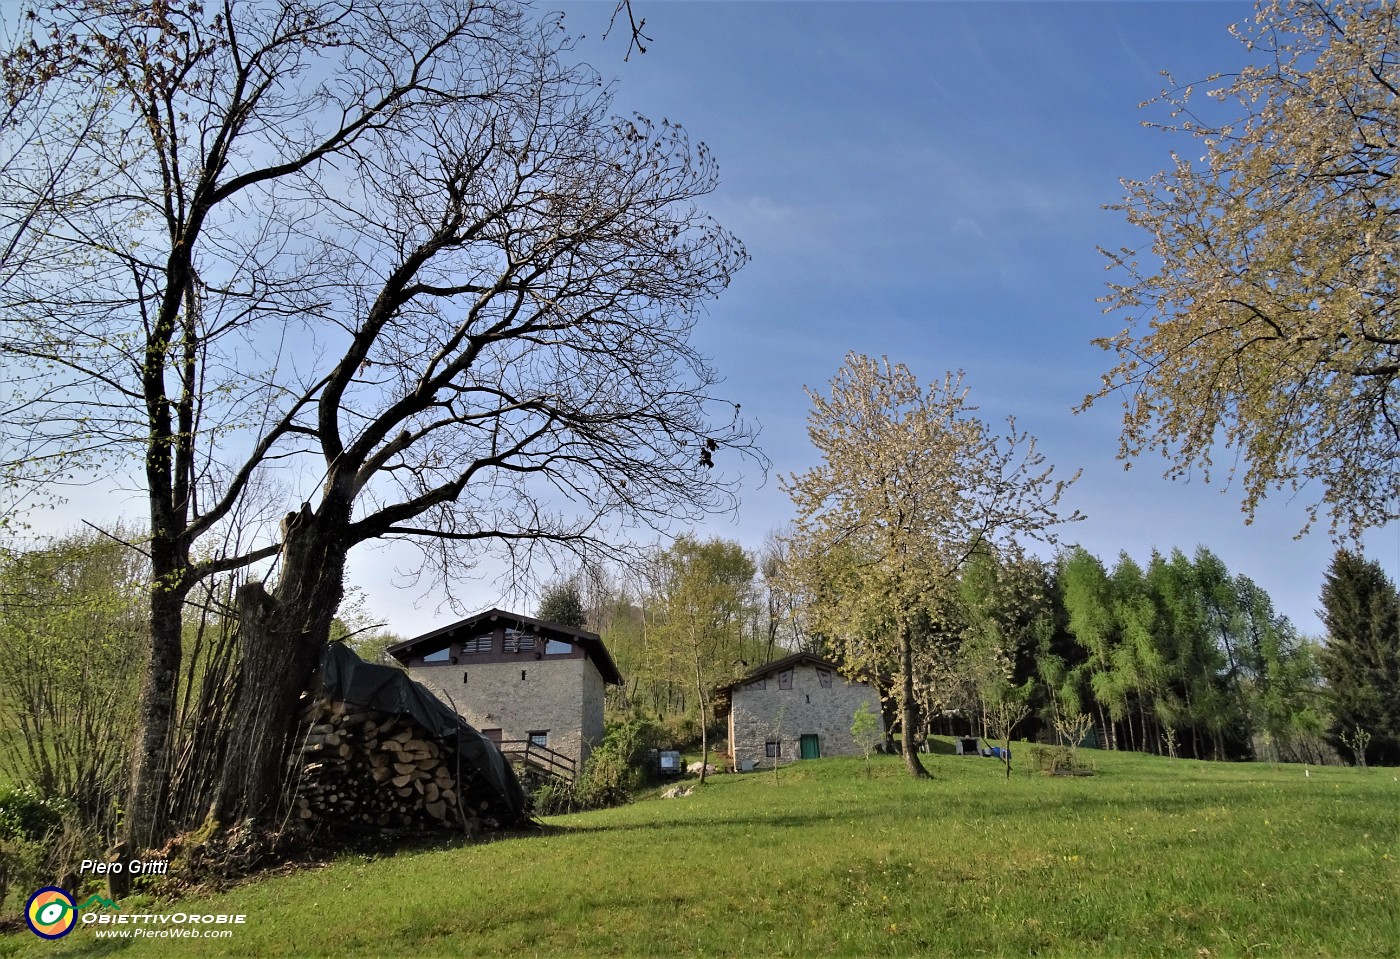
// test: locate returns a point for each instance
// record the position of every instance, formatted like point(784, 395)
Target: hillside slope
point(1150, 857)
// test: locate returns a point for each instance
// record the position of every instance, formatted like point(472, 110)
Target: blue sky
point(924, 180)
point(927, 181)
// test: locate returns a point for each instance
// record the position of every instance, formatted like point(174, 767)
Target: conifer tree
point(562, 604)
point(1361, 661)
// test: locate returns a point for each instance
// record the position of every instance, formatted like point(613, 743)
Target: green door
point(811, 748)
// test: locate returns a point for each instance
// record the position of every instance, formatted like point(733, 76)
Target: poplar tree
point(702, 597)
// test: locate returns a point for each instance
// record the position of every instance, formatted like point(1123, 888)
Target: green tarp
point(345, 676)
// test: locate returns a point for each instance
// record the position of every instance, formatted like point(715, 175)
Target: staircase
point(539, 758)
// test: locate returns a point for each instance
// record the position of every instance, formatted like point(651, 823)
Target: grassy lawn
point(1149, 858)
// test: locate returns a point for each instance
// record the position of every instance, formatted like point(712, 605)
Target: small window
point(479, 644)
point(464, 679)
point(785, 679)
point(757, 684)
point(519, 642)
point(522, 675)
point(773, 749)
point(824, 678)
point(555, 647)
point(539, 737)
point(492, 734)
point(441, 656)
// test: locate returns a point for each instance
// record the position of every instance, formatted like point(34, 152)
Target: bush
point(552, 797)
point(677, 729)
point(613, 771)
point(41, 842)
point(26, 814)
point(22, 867)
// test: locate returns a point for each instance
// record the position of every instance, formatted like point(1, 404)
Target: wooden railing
point(540, 757)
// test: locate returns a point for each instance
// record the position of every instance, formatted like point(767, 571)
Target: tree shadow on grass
point(709, 822)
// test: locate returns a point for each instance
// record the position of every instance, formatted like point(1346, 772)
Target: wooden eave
point(724, 695)
point(436, 639)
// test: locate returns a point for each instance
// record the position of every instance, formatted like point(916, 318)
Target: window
point(480, 644)
point(785, 679)
point(539, 737)
point(824, 678)
point(757, 684)
point(773, 749)
point(492, 734)
point(441, 656)
point(519, 642)
point(555, 647)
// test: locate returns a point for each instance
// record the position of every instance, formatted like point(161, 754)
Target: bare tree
point(1003, 716)
point(395, 260)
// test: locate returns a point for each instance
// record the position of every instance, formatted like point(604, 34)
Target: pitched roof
point(778, 665)
point(724, 694)
point(592, 643)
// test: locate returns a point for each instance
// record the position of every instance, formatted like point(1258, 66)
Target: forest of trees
point(1176, 655)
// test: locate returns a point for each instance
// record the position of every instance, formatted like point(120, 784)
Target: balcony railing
point(539, 757)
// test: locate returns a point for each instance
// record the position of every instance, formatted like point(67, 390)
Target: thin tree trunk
point(1103, 726)
point(145, 823)
point(704, 723)
point(906, 705)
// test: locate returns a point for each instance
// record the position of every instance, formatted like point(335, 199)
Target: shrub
point(865, 729)
point(552, 797)
point(22, 867)
point(72, 638)
point(26, 814)
point(41, 841)
point(678, 729)
point(613, 771)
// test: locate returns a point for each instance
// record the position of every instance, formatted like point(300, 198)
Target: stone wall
point(594, 689)
point(563, 696)
point(757, 716)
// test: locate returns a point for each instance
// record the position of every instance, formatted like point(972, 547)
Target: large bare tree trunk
point(277, 661)
point(283, 635)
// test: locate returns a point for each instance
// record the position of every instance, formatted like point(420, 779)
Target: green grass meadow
point(1150, 857)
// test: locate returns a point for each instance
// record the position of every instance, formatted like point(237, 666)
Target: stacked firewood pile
point(366, 769)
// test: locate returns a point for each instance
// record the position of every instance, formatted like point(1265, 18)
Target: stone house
point(517, 679)
point(799, 707)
